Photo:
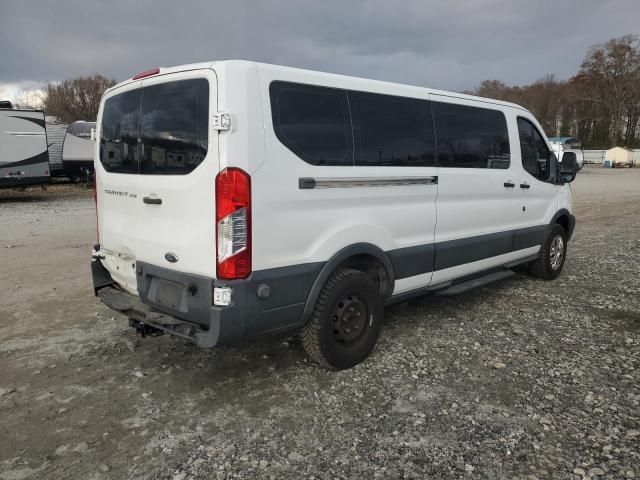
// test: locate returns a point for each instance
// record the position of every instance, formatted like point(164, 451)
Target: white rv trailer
point(77, 150)
point(24, 158)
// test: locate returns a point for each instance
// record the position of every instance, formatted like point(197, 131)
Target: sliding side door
point(477, 195)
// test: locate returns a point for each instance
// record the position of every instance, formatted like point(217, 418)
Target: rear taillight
point(95, 201)
point(233, 224)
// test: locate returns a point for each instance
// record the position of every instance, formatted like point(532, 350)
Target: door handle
point(509, 184)
point(525, 185)
point(152, 200)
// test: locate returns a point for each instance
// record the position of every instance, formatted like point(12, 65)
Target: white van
point(237, 199)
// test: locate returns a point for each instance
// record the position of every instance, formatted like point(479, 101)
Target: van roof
point(230, 63)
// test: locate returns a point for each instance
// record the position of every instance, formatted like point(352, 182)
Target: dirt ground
point(520, 379)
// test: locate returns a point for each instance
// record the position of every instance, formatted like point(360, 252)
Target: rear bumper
point(192, 315)
point(205, 325)
point(132, 307)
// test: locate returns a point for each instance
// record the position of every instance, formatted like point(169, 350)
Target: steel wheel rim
point(350, 318)
point(557, 252)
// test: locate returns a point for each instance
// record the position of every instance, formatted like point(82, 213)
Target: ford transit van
point(236, 199)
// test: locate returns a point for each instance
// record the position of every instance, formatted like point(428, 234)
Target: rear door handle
point(525, 185)
point(152, 200)
point(509, 184)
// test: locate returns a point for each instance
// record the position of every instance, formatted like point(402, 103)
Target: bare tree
point(600, 105)
point(612, 76)
point(77, 98)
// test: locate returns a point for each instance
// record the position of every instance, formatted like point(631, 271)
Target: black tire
point(547, 266)
point(346, 319)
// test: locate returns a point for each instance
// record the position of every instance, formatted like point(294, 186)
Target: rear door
point(156, 171)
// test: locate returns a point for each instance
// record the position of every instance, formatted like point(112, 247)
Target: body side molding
point(310, 183)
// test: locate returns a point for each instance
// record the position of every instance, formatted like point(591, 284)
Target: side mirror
point(567, 168)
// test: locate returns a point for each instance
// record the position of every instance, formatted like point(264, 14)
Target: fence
point(594, 156)
point(598, 156)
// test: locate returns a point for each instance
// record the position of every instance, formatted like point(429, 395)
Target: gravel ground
point(520, 379)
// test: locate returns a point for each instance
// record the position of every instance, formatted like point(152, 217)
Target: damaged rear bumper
point(192, 317)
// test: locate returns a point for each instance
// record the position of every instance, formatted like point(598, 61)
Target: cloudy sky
point(452, 45)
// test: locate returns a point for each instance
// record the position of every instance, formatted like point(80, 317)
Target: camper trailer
point(24, 158)
point(77, 151)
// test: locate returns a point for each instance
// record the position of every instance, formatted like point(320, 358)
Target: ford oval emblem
point(171, 257)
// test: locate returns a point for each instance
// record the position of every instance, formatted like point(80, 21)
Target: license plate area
point(171, 295)
point(185, 296)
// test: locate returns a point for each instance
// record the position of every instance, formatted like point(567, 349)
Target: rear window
point(119, 133)
point(312, 122)
point(392, 131)
point(471, 137)
point(158, 130)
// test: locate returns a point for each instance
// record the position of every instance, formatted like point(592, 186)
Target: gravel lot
point(521, 379)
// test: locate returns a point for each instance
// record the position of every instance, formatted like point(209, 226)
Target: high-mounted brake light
point(146, 73)
point(233, 224)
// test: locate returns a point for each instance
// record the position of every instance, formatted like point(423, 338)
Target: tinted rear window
point(119, 133)
point(471, 137)
point(313, 122)
point(393, 131)
point(159, 130)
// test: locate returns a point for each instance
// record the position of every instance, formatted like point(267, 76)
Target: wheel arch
point(566, 220)
point(360, 256)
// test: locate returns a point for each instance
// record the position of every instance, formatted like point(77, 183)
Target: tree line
point(76, 98)
point(600, 105)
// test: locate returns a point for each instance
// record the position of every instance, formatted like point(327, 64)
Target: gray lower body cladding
point(168, 300)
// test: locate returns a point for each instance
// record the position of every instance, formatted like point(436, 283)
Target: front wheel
point(345, 322)
point(553, 253)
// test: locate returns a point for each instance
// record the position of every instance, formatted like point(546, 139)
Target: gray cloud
point(449, 44)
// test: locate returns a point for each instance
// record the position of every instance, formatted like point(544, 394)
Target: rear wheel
point(345, 322)
point(552, 255)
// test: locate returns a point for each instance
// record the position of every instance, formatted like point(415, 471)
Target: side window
point(533, 149)
point(174, 127)
point(312, 122)
point(119, 132)
point(471, 137)
point(393, 131)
